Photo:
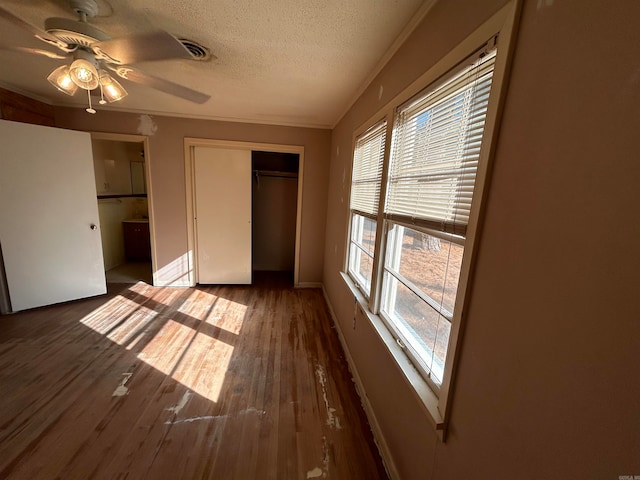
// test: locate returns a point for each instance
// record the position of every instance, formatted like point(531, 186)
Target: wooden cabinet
point(137, 242)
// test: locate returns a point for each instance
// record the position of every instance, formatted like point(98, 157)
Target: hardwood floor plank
point(233, 382)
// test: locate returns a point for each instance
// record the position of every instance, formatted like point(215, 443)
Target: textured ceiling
point(291, 62)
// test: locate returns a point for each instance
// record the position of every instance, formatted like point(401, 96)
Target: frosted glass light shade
point(84, 74)
point(60, 79)
point(111, 89)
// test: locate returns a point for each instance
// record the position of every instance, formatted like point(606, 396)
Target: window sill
point(423, 392)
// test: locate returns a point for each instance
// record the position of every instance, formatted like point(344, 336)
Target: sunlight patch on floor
point(110, 314)
point(198, 305)
point(193, 346)
point(134, 326)
point(196, 360)
point(204, 366)
point(228, 315)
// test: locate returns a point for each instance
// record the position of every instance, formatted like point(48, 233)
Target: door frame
point(124, 137)
point(189, 149)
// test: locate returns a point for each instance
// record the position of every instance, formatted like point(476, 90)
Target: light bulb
point(60, 79)
point(65, 82)
point(84, 74)
point(111, 89)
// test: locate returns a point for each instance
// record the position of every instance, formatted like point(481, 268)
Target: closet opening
point(244, 202)
point(274, 215)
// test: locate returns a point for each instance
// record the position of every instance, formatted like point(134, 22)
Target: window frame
point(437, 400)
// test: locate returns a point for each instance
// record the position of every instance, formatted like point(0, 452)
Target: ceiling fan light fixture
point(111, 88)
point(61, 79)
point(83, 72)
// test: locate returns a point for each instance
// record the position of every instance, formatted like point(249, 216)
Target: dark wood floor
point(217, 382)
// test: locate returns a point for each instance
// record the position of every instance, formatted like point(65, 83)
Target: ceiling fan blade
point(35, 51)
point(145, 47)
point(162, 85)
point(40, 34)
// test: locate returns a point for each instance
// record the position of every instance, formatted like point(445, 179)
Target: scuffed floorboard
point(213, 382)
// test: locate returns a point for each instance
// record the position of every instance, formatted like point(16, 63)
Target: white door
point(222, 179)
point(49, 228)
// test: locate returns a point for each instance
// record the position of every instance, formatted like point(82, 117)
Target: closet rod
point(269, 173)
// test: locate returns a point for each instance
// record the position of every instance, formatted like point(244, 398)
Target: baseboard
point(378, 437)
point(180, 284)
point(310, 285)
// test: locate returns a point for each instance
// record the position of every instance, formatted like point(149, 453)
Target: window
point(366, 179)
point(411, 275)
point(412, 287)
point(436, 146)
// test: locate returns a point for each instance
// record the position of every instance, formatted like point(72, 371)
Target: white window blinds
point(436, 147)
point(367, 170)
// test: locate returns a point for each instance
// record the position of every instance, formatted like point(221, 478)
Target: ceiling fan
point(96, 56)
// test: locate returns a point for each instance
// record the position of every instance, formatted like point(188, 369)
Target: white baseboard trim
point(378, 437)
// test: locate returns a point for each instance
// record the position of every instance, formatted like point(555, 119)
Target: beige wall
point(166, 164)
point(547, 384)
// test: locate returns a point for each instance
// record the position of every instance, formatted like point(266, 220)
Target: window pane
point(432, 264)
point(423, 329)
point(361, 267)
point(366, 232)
point(363, 238)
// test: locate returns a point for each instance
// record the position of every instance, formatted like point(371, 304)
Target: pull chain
point(90, 109)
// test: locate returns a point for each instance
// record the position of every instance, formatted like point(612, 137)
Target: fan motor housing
point(85, 7)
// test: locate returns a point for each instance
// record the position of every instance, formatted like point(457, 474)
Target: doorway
point(122, 193)
point(274, 181)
